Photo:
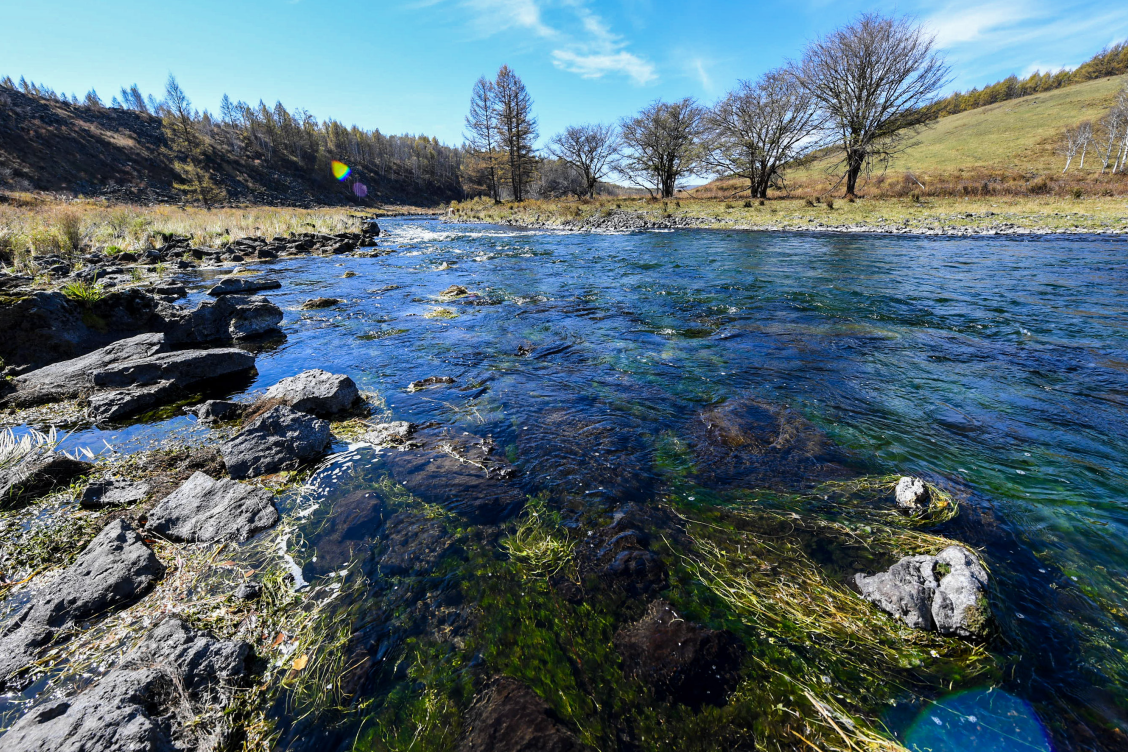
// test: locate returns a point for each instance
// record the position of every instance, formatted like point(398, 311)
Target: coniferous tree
point(482, 135)
point(518, 129)
point(188, 147)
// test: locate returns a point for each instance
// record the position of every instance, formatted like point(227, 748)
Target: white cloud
point(599, 51)
point(499, 15)
point(960, 24)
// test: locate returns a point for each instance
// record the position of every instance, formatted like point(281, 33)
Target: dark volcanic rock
point(946, 593)
point(106, 407)
point(315, 303)
point(218, 410)
point(184, 368)
point(38, 473)
point(229, 317)
point(242, 286)
point(686, 662)
point(204, 510)
point(316, 392)
point(279, 439)
point(415, 386)
point(112, 493)
point(755, 444)
point(114, 570)
point(507, 716)
point(140, 706)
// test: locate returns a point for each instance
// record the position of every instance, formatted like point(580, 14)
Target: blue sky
point(407, 67)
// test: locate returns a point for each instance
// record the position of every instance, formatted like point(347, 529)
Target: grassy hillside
point(1004, 148)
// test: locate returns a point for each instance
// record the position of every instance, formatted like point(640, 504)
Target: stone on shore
point(38, 473)
point(280, 439)
point(682, 661)
point(73, 378)
point(946, 593)
point(107, 407)
point(113, 493)
point(214, 411)
point(203, 510)
point(115, 569)
point(184, 368)
point(228, 317)
point(316, 392)
point(139, 706)
point(242, 286)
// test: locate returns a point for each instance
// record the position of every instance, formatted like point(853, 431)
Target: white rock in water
point(912, 494)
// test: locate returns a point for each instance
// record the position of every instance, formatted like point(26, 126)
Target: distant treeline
point(1113, 61)
point(296, 141)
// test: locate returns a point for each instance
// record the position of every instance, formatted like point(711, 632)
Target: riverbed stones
point(430, 381)
point(282, 438)
point(102, 494)
point(228, 317)
point(38, 473)
point(685, 662)
point(115, 569)
point(314, 304)
point(164, 696)
point(507, 716)
point(184, 368)
point(242, 286)
point(204, 509)
point(912, 494)
point(215, 411)
point(412, 544)
point(395, 434)
point(946, 593)
point(316, 392)
point(107, 407)
point(454, 291)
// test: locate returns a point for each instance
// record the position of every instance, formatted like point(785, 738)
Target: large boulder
point(115, 569)
point(140, 705)
point(242, 286)
point(203, 510)
point(38, 473)
point(184, 368)
point(680, 660)
point(229, 317)
point(106, 407)
point(74, 378)
point(946, 593)
point(316, 392)
point(280, 439)
point(507, 716)
point(113, 493)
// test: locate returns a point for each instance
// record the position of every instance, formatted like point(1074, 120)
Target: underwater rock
point(912, 494)
point(415, 386)
point(682, 661)
point(638, 572)
point(315, 303)
point(113, 493)
point(946, 593)
point(750, 443)
point(413, 544)
point(140, 705)
point(204, 510)
point(316, 392)
point(397, 433)
point(242, 286)
point(507, 716)
point(280, 439)
point(467, 490)
point(115, 569)
point(38, 473)
point(217, 410)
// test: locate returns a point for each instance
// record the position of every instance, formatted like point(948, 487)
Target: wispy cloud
point(960, 23)
point(583, 42)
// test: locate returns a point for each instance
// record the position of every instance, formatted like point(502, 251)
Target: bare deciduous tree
point(759, 127)
point(590, 149)
point(517, 128)
point(1074, 140)
point(482, 136)
point(874, 80)
point(661, 144)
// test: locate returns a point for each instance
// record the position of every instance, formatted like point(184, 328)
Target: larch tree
point(661, 144)
point(517, 129)
point(759, 127)
point(589, 149)
point(188, 147)
point(482, 138)
point(876, 80)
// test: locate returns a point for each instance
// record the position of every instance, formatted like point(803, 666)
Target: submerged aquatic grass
point(539, 544)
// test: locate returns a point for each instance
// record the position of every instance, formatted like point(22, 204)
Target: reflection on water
point(999, 365)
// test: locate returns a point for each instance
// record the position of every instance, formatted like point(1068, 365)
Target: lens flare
point(340, 170)
point(985, 720)
point(360, 189)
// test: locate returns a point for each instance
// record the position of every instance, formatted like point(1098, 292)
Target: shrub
point(1077, 193)
point(68, 225)
point(748, 204)
point(829, 203)
point(728, 206)
point(915, 197)
point(808, 202)
point(760, 202)
point(1039, 186)
point(113, 250)
point(849, 199)
point(818, 199)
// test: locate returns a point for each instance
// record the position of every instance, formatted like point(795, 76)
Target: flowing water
point(996, 367)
